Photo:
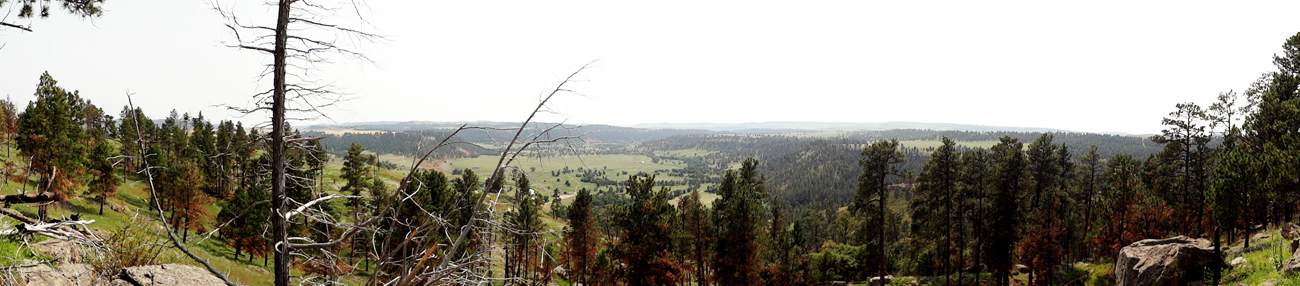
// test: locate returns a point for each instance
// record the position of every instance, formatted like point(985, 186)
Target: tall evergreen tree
point(933, 202)
point(699, 232)
point(976, 171)
point(524, 224)
point(581, 238)
point(738, 213)
point(880, 162)
point(353, 174)
point(1005, 210)
point(1186, 151)
point(104, 182)
point(1043, 225)
point(51, 134)
point(647, 234)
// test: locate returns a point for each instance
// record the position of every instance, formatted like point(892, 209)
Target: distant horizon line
point(717, 126)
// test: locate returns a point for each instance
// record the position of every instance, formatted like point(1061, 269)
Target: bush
point(135, 243)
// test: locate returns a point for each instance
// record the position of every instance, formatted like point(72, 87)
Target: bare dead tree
point(300, 48)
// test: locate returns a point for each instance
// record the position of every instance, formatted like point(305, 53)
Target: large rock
point(169, 274)
point(1171, 261)
point(877, 280)
point(1292, 265)
point(61, 250)
point(66, 274)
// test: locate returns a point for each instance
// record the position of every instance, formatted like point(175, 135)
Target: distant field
point(544, 181)
point(686, 152)
point(341, 131)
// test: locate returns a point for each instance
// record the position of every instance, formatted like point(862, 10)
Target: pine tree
point(932, 206)
point(647, 234)
point(976, 169)
point(737, 214)
point(104, 182)
point(1043, 222)
point(188, 203)
point(699, 232)
point(524, 224)
point(353, 174)
point(51, 134)
point(581, 237)
point(880, 162)
point(1005, 209)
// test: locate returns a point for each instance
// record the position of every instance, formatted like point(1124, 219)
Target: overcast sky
point(1087, 66)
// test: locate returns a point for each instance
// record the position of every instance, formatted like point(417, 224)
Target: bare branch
point(15, 26)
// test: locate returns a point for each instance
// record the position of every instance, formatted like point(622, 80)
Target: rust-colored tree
point(647, 234)
point(581, 238)
point(738, 213)
point(699, 232)
point(188, 202)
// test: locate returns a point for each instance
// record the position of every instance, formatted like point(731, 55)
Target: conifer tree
point(353, 174)
point(699, 232)
point(932, 206)
point(647, 234)
point(1005, 215)
point(51, 135)
point(737, 213)
point(581, 237)
point(104, 182)
point(879, 163)
point(522, 247)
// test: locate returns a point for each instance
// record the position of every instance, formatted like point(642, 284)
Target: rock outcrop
point(66, 274)
point(168, 274)
point(1172, 261)
point(1292, 265)
point(61, 250)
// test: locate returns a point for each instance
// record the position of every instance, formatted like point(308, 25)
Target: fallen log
point(41, 197)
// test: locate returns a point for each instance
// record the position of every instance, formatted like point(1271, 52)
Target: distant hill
point(591, 133)
point(850, 126)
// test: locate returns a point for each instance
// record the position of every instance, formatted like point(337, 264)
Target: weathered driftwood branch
point(57, 230)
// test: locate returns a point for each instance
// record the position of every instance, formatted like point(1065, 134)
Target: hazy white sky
point(1090, 66)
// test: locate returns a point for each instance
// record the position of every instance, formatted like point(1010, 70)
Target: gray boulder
point(877, 280)
point(66, 274)
point(1292, 265)
point(1237, 261)
point(61, 250)
point(1172, 261)
point(169, 274)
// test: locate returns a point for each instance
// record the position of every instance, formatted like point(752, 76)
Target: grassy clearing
point(616, 167)
point(1261, 265)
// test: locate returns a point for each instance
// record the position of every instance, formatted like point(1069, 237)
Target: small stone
point(1260, 236)
point(1237, 261)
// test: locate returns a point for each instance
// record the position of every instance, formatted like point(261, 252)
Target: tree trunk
point(884, 193)
point(278, 221)
point(1218, 252)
